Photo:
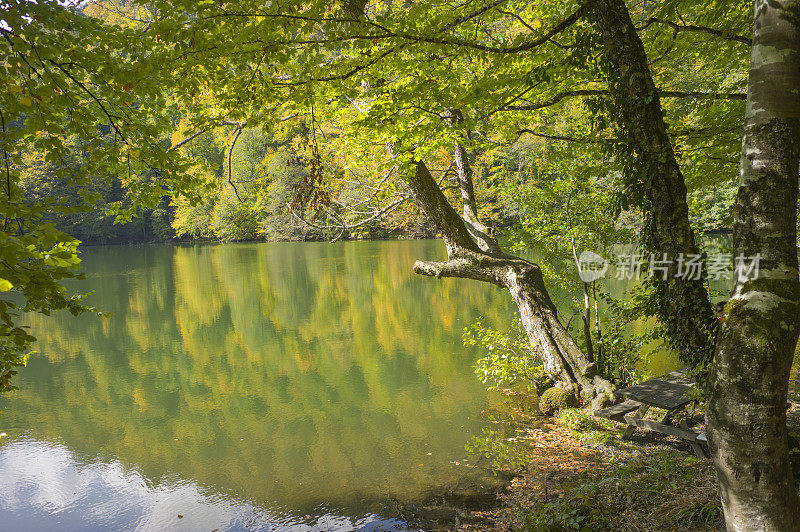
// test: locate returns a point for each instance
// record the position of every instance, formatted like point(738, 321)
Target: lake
point(277, 386)
point(271, 386)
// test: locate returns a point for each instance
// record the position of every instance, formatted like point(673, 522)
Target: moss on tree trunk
point(748, 382)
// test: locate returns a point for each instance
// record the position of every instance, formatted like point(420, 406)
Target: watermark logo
point(591, 266)
point(690, 266)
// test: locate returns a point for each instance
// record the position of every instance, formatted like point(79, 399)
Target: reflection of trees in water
point(330, 369)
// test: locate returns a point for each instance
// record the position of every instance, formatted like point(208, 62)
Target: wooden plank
point(628, 432)
point(696, 447)
point(616, 412)
point(659, 393)
point(660, 427)
point(680, 376)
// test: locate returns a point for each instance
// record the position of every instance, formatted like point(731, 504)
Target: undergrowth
point(661, 491)
point(586, 428)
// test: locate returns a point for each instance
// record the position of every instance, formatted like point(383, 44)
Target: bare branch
point(461, 267)
point(188, 139)
point(346, 227)
point(598, 92)
point(698, 29)
point(224, 123)
point(239, 128)
point(562, 137)
point(702, 95)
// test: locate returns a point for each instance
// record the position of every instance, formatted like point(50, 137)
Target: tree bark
point(560, 355)
point(748, 382)
point(587, 323)
point(658, 188)
point(479, 232)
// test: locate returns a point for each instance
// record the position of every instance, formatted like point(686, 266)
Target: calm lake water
point(281, 386)
point(288, 386)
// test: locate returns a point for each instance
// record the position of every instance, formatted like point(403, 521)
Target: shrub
point(509, 362)
point(577, 420)
point(560, 515)
point(554, 399)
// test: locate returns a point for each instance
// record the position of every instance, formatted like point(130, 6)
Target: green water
point(281, 386)
point(291, 384)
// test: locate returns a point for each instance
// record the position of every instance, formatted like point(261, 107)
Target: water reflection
point(45, 486)
point(291, 375)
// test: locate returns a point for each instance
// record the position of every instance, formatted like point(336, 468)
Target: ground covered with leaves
point(577, 473)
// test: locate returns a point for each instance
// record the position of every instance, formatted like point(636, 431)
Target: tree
point(70, 83)
point(654, 182)
point(746, 407)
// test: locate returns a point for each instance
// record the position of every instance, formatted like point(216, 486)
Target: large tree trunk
point(656, 183)
point(561, 357)
point(746, 410)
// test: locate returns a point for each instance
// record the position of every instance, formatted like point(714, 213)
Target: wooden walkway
point(672, 393)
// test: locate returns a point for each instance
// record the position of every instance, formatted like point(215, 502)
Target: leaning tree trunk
point(746, 410)
point(655, 183)
point(469, 215)
point(560, 355)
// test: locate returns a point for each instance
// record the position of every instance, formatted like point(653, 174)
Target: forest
point(499, 126)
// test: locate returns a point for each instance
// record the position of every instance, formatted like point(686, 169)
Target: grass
point(582, 476)
point(664, 490)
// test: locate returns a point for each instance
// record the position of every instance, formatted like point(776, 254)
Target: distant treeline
point(246, 201)
point(248, 198)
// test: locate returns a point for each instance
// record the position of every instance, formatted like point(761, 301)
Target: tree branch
point(462, 267)
point(239, 128)
point(698, 29)
point(562, 137)
point(345, 227)
point(389, 33)
point(535, 43)
point(555, 99)
point(223, 123)
point(599, 92)
point(432, 202)
point(703, 95)
point(188, 139)
point(470, 16)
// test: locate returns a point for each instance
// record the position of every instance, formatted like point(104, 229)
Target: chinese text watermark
point(689, 266)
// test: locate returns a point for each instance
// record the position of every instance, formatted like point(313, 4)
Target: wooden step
point(685, 434)
point(616, 412)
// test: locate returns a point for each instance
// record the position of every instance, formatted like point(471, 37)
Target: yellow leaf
point(26, 101)
point(5, 285)
point(14, 89)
